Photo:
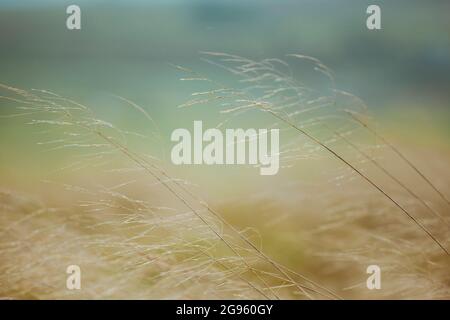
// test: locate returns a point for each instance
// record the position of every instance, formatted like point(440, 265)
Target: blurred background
point(128, 48)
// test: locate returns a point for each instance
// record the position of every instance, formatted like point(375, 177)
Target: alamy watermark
point(373, 22)
point(73, 21)
point(235, 146)
point(374, 280)
point(73, 281)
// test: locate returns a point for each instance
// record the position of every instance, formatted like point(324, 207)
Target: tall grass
point(264, 76)
point(148, 234)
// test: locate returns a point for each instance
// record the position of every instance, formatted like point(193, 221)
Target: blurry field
point(139, 231)
point(139, 244)
point(86, 177)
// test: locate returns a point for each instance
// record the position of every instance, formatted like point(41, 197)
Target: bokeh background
point(128, 48)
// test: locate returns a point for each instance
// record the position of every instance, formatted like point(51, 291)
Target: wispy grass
point(142, 232)
point(84, 131)
point(271, 85)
